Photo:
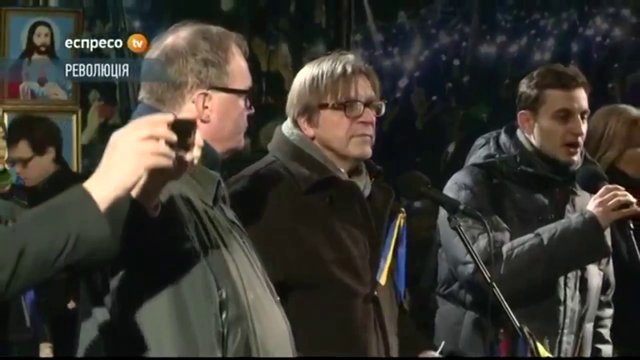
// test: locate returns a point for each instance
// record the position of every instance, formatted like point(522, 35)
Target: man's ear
point(306, 127)
point(203, 106)
point(526, 122)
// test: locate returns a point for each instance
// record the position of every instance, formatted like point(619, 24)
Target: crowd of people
point(454, 72)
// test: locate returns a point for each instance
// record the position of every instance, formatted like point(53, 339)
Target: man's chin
point(363, 154)
point(571, 161)
point(42, 50)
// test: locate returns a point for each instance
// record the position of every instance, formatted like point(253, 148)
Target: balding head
point(196, 55)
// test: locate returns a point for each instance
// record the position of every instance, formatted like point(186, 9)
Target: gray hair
point(329, 78)
point(196, 55)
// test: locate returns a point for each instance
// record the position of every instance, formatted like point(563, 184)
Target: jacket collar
point(306, 169)
point(208, 186)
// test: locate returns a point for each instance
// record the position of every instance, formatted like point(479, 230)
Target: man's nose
point(578, 126)
point(368, 117)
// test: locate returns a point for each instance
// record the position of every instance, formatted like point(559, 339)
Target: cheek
point(208, 131)
point(337, 134)
point(549, 135)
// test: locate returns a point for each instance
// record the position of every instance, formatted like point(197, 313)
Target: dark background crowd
point(449, 68)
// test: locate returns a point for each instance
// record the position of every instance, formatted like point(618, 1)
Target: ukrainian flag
point(514, 345)
point(395, 242)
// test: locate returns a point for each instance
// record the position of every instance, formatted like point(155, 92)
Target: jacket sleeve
point(602, 345)
point(520, 266)
point(67, 230)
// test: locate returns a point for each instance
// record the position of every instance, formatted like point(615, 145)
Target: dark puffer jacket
point(551, 258)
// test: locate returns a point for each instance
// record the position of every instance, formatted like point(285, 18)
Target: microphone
point(413, 185)
point(591, 178)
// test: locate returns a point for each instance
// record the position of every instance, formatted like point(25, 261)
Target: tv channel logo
point(138, 43)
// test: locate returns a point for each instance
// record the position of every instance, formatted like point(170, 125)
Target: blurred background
point(449, 68)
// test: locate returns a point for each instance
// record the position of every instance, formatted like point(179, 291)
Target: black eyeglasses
point(23, 162)
point(246, 93)
point(355, 108)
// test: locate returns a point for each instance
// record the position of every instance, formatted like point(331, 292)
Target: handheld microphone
point(591, 178)
point(414, 185)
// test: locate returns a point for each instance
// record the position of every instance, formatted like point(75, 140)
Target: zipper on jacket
point(222, 304)
point(562, 201)
point(220, 292)
point(564, 317)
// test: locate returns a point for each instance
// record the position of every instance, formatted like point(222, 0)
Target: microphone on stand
point(413, 185)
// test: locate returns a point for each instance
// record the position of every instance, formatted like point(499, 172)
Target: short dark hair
point(39, 131)
point(549, 77)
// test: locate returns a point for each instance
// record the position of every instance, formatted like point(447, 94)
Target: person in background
point(35, 152)
point(319, 212)
point(88, 232)
point(613, 141)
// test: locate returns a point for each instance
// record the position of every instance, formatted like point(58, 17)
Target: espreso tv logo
point(137, 43)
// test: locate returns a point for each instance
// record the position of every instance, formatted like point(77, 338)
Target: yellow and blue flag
point(395, 242)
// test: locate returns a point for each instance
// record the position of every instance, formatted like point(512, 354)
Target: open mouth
point(573, 147)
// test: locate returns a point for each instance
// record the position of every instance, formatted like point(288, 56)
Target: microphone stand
point(454, 223)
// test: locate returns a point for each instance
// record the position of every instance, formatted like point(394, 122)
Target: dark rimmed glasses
point(245, 93)
point(353, 109)
point(23, 162)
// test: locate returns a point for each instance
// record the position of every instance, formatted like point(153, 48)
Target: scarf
point(360, 176)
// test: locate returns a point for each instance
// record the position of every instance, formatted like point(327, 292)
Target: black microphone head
point(591, 178)
point(411, 184)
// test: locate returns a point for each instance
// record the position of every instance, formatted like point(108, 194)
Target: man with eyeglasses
point(35, 146)
point(319, 214)
point(189, 283)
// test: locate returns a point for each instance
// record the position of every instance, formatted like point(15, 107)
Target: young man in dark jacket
point(318, 212)
point(551, 249)
point(35, 151)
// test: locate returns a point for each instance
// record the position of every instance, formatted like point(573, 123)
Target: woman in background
point(613, 140)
